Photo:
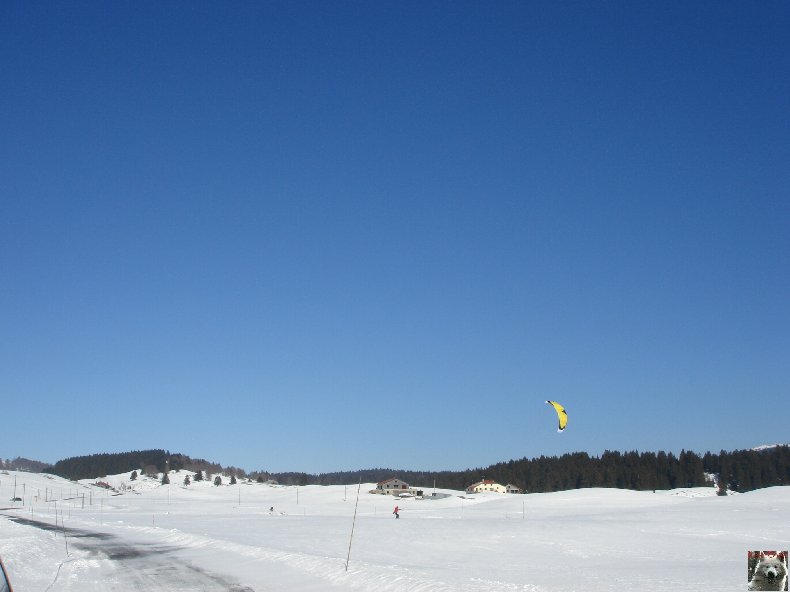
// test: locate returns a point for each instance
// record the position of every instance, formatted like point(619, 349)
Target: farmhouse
point(486, 485)
point(392, 486)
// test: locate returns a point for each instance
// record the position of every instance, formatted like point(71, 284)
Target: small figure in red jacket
point(395, 511)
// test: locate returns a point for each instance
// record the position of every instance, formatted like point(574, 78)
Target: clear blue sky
point(319, 236)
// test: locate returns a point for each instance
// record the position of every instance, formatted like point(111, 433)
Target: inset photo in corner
point(767, 570)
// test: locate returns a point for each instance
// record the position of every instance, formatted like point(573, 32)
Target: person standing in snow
point(395, 511)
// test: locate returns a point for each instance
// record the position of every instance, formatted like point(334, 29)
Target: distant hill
point(741, 470)
point(768, 446)
point(149, 461)
point(23, 464)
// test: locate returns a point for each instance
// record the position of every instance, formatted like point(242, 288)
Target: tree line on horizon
point(741, 470)
point(22, 464)
point(150, 462)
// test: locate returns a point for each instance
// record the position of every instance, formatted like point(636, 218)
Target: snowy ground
point(69, 536)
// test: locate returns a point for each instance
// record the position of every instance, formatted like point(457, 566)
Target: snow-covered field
point(78, 537)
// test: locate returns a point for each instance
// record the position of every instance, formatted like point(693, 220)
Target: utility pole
point(353, 524)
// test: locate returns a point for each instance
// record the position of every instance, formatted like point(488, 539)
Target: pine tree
point(724, 474)
point(233, 479)
point(165, 479)
point(133, 476)
point(187, 481)
point(217, 480)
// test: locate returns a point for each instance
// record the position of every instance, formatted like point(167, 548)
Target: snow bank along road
point(126, 565)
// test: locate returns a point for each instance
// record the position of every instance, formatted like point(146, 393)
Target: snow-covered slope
point(768, 446)
point(260, 537)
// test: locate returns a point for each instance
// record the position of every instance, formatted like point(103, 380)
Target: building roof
point(390, 479)
point(483, 482)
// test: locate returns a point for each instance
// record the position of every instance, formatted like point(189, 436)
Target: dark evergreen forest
point(150, 462)
point(741, 470)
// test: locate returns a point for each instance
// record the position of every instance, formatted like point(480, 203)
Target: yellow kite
point(561, 415)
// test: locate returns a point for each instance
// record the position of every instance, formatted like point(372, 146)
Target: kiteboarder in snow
point(396, 512)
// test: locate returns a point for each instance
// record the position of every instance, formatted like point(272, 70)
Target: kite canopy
point(561, 415)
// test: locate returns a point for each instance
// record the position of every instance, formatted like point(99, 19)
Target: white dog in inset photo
point(770, 573)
